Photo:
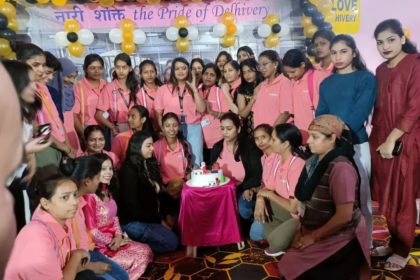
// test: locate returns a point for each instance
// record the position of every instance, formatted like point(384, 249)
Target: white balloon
point(264, 30)
point(285, 29)
point(219, 30)
point(85, 37)
point(139, 37)
point(239, 28)
point(61, 39)
point(116, 36)
point(172, 34)
point(192, 33)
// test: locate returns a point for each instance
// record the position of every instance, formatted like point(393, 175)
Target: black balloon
point(8, 34)
point(72, 37)
point(78, 1)
point(276, 28)
point(3, 21)
point(302, 3)
point(309, 9)
point(310, 50)
point(183, 32)
point(33, 2)
point(308, 41)
point(318, 19)
point(12, 2)
point(326, 26)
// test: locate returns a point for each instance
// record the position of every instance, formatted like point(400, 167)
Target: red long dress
point(396, 182)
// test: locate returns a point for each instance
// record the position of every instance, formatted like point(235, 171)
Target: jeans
point(116, 273)
point(159, 238)
point(246, 210)
point(194, 136)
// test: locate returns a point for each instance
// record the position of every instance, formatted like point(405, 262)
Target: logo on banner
point(347, 16)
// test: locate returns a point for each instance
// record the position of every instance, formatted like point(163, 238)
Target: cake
point(203, 177)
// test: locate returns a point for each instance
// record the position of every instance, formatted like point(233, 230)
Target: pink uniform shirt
point(269, 164)
point(328, 71)
point(172, 163)
point(287, 175)
point(80, 231)
point(235, 86)
point(273, 99)
point(111, 100)
point(147, 99)
point(210, 124)
point(168, 101)
point(231, 169)
point(87, 96)
point(41, 249)
point(120, 145)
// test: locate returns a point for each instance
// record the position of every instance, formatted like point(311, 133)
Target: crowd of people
point(97, 183)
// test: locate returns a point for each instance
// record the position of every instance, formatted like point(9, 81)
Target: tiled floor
point(226, 263)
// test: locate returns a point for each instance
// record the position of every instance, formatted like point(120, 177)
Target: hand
point(163, 223)
point(264, 192)
point(125, 241)
point(256, 91)
point(31, 168)
point(226, 89)
point(386, 149)
point(248, 194)
point(34, 146)
point(115, 243)
point(115, 130)
point(192, 84)
point(208, 107)
point(260, 212)
point(100, 267)
point(304, 242)
point(72, 154)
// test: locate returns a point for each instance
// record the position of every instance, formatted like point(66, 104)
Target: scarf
point(58, 83)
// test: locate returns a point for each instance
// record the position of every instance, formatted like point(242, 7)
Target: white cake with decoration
point(205, 178)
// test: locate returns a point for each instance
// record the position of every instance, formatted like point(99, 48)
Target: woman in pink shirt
point(44, 248)
point(182, 97)
point(232, 75)
point(118, 96)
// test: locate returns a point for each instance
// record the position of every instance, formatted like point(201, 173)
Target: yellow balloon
point(2, 2)
point(309, 31)
point(272, 40)
point(127, 25)
point(43, 1)
point(128, 47)
point(315, 2)
point(196, 1)
point(228, 18)
point(181, 22)
point(231, 29)
point(407, 32)
point(71, 25)
point(10, 56)
point(59, 2)
point(4, 47)
point(76, 49)
point(324, 6)
point(13, 24)
point(330, 17)
point(153, 2)
point(141, 1)
point(312, 59)
point(229, 40)
point(8, 10)
point(183, 44)
point(128, 36)
point(306, 21)
point(106, 3)
point(272, 19)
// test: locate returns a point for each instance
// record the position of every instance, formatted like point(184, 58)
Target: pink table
point(209, 216)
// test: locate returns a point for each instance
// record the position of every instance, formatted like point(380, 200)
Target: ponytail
point(289, 132)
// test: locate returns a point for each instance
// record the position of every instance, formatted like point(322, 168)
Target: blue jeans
point(116, 273)
point(159, 238)
point(246, 210)
point(194, 136)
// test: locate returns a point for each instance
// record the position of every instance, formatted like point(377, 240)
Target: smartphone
point(44, 131)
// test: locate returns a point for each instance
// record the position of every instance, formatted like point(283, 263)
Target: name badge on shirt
point(105, 115)
point(205, 122)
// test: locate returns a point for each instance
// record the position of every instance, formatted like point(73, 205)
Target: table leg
point(191, 251)
point(241, 246)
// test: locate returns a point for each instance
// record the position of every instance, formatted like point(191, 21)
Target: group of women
point(291, 136)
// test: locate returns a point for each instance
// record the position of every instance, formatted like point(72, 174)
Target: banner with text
point(347, 16)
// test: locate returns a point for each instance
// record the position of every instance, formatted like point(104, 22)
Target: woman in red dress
point(396, 118)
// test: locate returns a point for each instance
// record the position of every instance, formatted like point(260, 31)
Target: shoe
point(273, 253)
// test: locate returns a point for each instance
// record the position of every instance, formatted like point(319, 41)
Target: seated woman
point(44, 248)
point(138, 120)
point(278, 196)
point(102, 221)
point(240, 160)
point(331, 241)
point(142, 205)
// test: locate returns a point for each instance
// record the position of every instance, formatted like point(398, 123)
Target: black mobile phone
point(44, 131)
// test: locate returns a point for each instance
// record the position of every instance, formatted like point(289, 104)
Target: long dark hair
point(273, 56)
point(181, 140)
point(27, 51)
point(289, 132)
point(358, 62)
point(144, 113)
point(19, 73)
point(224, 53)
point(158, 82)
point(148, 168)
point(294, 58)
point(131, 82)
point(199, 60)
point(237, 67)
point(241, 141)
point(245, 87)
point(81, 168)
point(215, 69)
point(394, 25)
point(173, 80)
point(91, 58)
point(92, 128)
point(113, 185)
point(248, 50)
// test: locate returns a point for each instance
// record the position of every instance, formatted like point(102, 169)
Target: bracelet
point(259, 199)
point(314, 236)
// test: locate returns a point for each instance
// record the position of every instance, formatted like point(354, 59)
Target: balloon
point(115, 35)
point(128, 47)
point(324, 6)
point(127, 25)
point(85, 37)
point(318, 19)
point(76, 49)
point(229, 40)
point(139, 37)
point(302, 3)
point(306, 21)
point(276, 28)
point(407, 32)
point(43, 1)
point(272, 19)
point(172, 34)
point(72, 37)
point(10, 56)
point(309, 9)
point(312, 59)
point(310, 50)
point(228, 18)
point(71, 25)
point(183, 32)
point(231, 29)
point(59, 2)
point(239, 29)
point(326, 26)
point(61, 39)
point(4, 47)
point(13, 24)
point(181, 21)
point(308, 41)
point(106, 3)
point(264, 30)
point(2, 2)
point(128, 36)
point(272, 40)
point(8, 34)
point(329, 17)
point(32, 2)
point(153, 2)
point(183, 44)
point(80, 1)
point(285, 30)
point(309, 31)
point(3, 21)
point(8, 10)
point(314, 2)
point(192, 33)
point(219, 30)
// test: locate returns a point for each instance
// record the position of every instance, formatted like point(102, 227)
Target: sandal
point(382, 251)
point(398, 261)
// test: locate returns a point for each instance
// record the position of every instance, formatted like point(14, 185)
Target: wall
point(375, 11)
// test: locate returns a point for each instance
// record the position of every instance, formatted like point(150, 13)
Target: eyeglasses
point(263, 65)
